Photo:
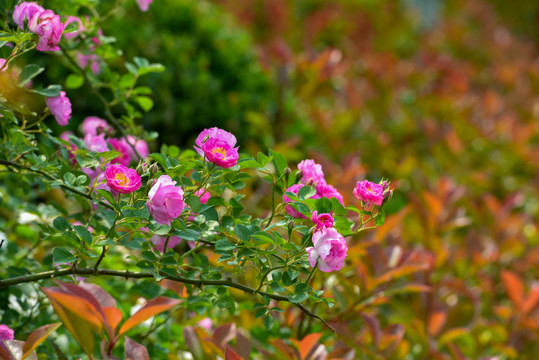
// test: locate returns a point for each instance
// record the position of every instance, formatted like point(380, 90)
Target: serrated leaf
point(83, 233)
point(145, 102)
point(380, 219)
point(306, 192)
point(61, 223)
point(49, 91)
point(269, 322)
point(224, 245)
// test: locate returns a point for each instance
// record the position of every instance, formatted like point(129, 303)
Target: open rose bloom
point(165, 200)
point(25, 11)
point(49, 28)
point(329, 250)
point(122, 179)
point(369, 192)
point(217, 146)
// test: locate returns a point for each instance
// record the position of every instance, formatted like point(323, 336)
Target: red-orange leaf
point(152, 308)
point(231, 354)
point(531, 301)
point(514, 287)
point(436, 321)
point(113, 316)
point(37, 337)
point(307, 344)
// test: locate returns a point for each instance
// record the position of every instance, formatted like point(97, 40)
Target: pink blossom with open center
point(49, 28)
point(165, 200)
point(211, 133)
point(369, 192)
point(329, 250)
point(220, 153)
point(25, 11)
point(60, 107)
point(122, 179)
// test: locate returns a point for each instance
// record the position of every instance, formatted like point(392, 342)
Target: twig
point(139, 275)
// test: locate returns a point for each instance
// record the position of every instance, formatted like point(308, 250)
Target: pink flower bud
point(122, 179)
point(60, 107)
point(329, 250)
point(144, 5)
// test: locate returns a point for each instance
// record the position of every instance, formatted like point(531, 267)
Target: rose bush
point(167, 231)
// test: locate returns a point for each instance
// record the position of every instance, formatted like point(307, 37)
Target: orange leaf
point(307, 344)
point(113, 317)
point(152, 308)
point(77, 326)
point(37, 337)
point(436, 321)
point(514, 287)
point(531, 301)
point(231, 354)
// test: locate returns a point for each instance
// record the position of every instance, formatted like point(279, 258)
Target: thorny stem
point(139, 275)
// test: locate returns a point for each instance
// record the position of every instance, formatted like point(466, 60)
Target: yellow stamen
point(122, 179)
point(219, 150)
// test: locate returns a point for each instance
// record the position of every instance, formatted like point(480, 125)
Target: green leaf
point(162, 160)
point(145, 102)
point(224, 245)
point(306, 192)
point(269, 322)
point(50, 91)
point(279, 160)
point(323, 205)
point(297, 298)
point(263, 160)
point(380, 219)
point(194, 203)
point(61, 223)
point(83, 233)
point(261, 313)
point(108, 196)
point(243, 232)
point(74, 81)
point(29, 72)
point(148, 255)
point(249, 164)
point(61, 255)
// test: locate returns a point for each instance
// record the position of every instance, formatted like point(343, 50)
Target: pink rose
point(60, 107)
point(328, 191)
point(80, 27)
point(25, 11)
point(95, 126)
point(5, 334)
point(165, 200)
point(369, 192)
point(323, 220)
point(122, 179)
point(49, 28)
point(123, 148)
point(216, 133)
point(140, 145)
point(204, 195)
point(2, 63)
point(220, 153)
point(329, 250)
point(96, 143)
point(312, 173)
point(144, 5)
point(289, 209)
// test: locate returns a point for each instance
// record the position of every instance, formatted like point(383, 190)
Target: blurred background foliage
point(441, 97)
